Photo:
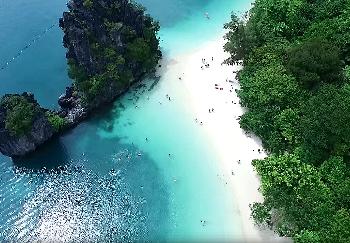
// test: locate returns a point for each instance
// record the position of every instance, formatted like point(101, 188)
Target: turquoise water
point(103, 180)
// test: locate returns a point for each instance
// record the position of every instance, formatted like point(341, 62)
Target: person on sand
point(212, 58)
point(201, 123)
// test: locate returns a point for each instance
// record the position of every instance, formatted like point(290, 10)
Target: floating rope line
point(32, 42)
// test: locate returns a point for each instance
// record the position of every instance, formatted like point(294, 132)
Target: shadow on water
point(49, 156)
point(105, 117)
point(93, 188)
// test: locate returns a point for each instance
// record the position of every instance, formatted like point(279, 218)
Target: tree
point(315, 61)
point(269, 86)
point(286, 180)
point(57, 122)
point(139, 51)
point(237, 42)
point(323, 124)
point(19, 116)
point(294, 86)
point(88, 3)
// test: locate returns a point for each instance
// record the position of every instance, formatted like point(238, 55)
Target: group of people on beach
point(205, 63)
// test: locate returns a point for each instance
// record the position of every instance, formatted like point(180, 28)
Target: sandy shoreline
point(214, 87)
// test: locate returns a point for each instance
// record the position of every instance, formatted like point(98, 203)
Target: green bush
point(88, 3)
point(315, 61)
point(19, 116)
point(56, 121)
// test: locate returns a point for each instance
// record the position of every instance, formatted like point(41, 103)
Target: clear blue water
point(103, 180)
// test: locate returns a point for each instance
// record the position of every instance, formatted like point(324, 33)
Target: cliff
point(24, 125)
point(110, 45)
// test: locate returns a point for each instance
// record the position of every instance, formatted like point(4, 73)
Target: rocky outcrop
point(97, 35)
point(71, 107)
point(40, 128)
point(110, 45)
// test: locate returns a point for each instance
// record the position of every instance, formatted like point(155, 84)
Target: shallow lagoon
point(103, 180)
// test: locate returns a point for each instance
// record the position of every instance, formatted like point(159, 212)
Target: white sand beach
point(214, 87)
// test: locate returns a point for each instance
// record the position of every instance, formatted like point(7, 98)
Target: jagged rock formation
point(110, 45)
point(24, 125)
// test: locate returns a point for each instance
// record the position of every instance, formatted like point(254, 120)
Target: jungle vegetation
point(295, 85)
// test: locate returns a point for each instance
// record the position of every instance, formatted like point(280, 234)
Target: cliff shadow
point(48, 156)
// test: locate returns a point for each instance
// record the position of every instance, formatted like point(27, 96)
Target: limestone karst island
point(175, 121)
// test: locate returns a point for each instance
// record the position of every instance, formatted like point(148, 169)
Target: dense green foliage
point(88, 3)
point(57, 122)
point(20, 114)
point(295, 84)
point(118, 52)
point(315, 61)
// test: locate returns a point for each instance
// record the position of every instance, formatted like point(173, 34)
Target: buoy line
point(30, 43)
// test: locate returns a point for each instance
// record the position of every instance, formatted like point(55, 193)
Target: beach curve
point(210, 86)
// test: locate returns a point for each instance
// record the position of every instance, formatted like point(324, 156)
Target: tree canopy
point(20, 114)
point(295, 86)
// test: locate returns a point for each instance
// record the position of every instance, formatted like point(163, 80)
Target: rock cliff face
point(110, 45)
point(14, 142)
